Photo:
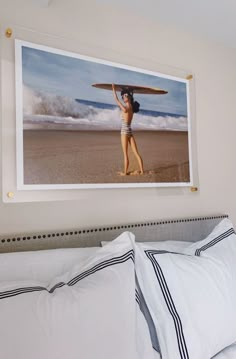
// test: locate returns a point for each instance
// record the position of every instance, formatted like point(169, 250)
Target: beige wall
point(125, 37)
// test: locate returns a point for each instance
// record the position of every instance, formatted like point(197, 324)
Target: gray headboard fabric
point(181, 229)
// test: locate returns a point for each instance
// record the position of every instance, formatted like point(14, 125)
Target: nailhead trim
point(78, 232)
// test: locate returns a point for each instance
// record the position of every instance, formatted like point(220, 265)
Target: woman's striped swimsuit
point(126, 128)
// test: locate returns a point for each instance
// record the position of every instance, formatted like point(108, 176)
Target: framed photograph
point(84, 122)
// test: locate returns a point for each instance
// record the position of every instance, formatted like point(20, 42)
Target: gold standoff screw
point(10, 195)
point(189, 77)
point(8, 32)
point(194, 189)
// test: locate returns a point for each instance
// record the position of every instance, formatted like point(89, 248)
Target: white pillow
point(191, 298)
point(172, 246)
point(42, 265)
point(89, 312)
point(217, 243)
point(145, 348)
point(227, 353)
point(146, 323)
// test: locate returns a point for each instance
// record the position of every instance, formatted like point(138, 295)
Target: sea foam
point(42, 110)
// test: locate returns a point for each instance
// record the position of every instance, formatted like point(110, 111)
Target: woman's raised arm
point(122, 107)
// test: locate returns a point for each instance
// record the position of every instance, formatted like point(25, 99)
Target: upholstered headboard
point(184, 229)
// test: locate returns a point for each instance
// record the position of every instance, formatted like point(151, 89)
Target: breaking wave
point(57, 112)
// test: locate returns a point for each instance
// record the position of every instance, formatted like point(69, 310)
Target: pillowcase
point(89, 312)
point(145, 348)
point(147, 322)
point(192, 298)
point(227, 353)
point(220, 242)
point(171, 246)
point(42, 265)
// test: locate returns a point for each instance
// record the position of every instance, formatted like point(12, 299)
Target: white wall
point(114, 32)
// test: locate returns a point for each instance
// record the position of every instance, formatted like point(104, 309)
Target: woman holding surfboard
point(127, 138)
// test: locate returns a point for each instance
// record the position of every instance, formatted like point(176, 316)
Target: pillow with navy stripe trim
point(148, 321)
point(41, 265)
point(191, 297)
point(89, 312)
point(220, 240)
point(147, 343)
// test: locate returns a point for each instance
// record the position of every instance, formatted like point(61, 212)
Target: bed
point(159, 289)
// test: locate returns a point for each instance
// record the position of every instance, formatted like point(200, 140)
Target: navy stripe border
point(107, 263)
point(214, 241)
point(183, 351)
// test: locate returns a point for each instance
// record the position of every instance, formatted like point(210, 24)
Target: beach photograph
point(85, 121)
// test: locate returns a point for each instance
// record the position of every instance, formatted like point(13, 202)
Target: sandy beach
point(87, 157)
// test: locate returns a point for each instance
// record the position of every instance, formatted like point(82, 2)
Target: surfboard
point(133, 89)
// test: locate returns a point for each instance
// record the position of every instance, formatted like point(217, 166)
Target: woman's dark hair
point(135, 104)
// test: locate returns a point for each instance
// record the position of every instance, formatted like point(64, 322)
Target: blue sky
point(73, 77)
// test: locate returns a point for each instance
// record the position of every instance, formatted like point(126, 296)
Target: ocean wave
point(39, 103)
point(47, 111)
